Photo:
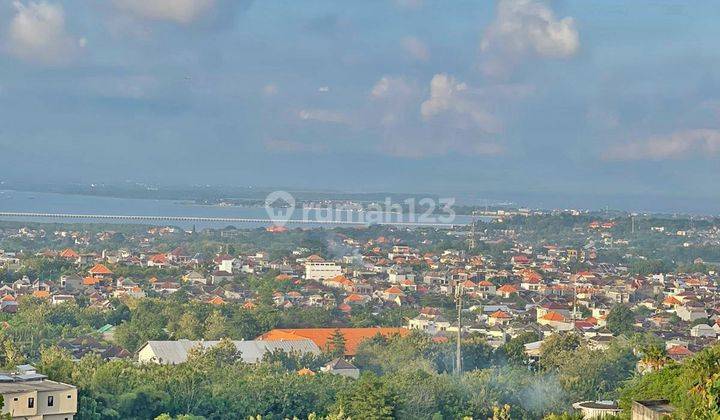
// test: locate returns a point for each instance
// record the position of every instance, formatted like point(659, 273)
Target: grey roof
point(252, 351)
point(340, 364)
point(38, 385)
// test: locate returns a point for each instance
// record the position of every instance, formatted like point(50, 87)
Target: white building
point(251, 351)
point(319, 270)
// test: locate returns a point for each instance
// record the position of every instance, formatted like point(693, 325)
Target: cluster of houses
point(527, 288)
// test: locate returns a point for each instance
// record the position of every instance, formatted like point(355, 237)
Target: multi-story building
point(30, 395)
point(319, 270)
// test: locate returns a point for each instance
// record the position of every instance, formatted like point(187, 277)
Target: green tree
point(370, 399)
point(5, 416)
point(189, 327)
point(215, 328)
point(515, 348)
point(336, 344)
point(57, 364)
point(621, 320)
point(557, 349)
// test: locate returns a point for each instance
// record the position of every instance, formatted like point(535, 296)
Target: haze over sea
point(43, 202)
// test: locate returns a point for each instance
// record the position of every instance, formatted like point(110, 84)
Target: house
point(556, 321)
point(393, 294)
point(432, 325)
point(679, 352)
point(499, 318)
point(194, 277)
point(702, 330)
point(340, 367)
point(30, 395)
point(158, 261)
point(485, 288)
point(178, 255)
point(100, 271)
point(69, 254)
point(251, 351)
point(71, 283)
point(507, 290)
point(690, 313)
point(220, 276)
point(551, 306)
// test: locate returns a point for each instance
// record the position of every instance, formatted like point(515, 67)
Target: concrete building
point(252, 351)
point(597, 409)
point(30, 395)
point(320, 270)
point(651, 410)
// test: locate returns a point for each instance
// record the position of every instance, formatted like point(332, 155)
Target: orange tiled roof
point(679, 351)
point(158, 259)
point(100, 269)
point(500, 314)
point(553, 316)
point(393, 291)
point(90, 281)
point(508, 288)
point(323, 336)
point(671, 300)
point(217, 300)
point(354, 298)
point(468, 284)
point(69, 253)
point(305, 371)
point(42, 294)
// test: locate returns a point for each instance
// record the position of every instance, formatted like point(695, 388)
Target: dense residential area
point(561, 313)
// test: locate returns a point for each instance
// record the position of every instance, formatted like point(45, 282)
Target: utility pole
point(473, 222)
point(574, 312)
point(458, 351)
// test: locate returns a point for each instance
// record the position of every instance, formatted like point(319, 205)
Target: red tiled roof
point(323, 336)
point(100, 269)
point(553, 316)
point(69, 253)
point(500, 315)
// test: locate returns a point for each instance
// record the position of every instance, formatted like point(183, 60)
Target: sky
point(607, 101)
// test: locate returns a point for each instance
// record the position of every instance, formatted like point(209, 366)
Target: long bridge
point(140, 218)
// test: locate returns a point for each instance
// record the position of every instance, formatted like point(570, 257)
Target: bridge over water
point(140, 218)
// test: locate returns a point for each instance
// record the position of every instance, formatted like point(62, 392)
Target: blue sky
point(587, 98)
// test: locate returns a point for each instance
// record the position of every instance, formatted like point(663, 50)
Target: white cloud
point(391, 87)
point(323, 89)
point(396, 98)
point(415, 48)
point(448, 96)
point(677, 145)
point(453, 119)
point(37, 33)
point(527, 27)
point(178, 11)
point(323, 115)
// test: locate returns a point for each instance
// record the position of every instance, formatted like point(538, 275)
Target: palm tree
point(654, 357)
point(705, 367)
